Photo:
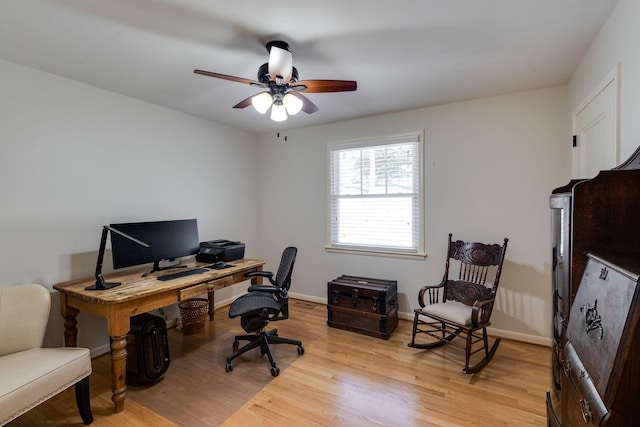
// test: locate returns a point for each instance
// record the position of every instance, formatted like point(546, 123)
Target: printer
point(220, 250)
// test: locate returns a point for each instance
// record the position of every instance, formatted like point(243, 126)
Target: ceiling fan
point(279, 78)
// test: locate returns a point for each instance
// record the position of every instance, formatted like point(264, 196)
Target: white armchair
point(32, 374)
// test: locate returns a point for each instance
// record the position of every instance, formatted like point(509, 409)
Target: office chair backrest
point(283, 276)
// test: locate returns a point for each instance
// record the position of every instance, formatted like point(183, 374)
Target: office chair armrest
point(263, 288)
point(267, 274)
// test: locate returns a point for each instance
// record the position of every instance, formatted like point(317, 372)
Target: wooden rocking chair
point(461, 308)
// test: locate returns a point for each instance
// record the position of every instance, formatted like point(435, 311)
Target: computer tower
point(147, 349)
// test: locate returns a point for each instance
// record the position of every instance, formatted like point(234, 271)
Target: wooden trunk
point(364, 305)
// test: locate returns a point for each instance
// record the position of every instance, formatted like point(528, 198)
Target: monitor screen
point(166, 239)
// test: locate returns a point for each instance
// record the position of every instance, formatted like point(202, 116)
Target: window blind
point(374, 195)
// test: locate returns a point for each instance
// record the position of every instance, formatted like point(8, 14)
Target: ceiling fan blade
point(244, 103)
point(307, 106)
point(231, 78)
point(319, 86)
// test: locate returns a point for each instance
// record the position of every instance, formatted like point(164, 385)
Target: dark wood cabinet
point(560, 203)
point(602, 328)
point(598, 215)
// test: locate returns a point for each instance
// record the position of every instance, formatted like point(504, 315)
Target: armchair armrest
point(433, 292)
point(481, 311)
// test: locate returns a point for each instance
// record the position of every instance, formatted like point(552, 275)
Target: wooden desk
point(137, 295)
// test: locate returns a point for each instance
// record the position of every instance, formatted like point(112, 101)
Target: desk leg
point(212, 301)
point(119, 370)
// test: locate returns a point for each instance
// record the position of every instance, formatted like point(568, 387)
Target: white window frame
point(419, 250)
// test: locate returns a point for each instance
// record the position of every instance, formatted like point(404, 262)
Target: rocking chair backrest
point(477, 261)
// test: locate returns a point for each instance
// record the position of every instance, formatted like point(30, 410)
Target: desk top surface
point(133, 285)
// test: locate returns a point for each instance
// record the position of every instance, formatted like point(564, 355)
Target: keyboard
point(183, 273)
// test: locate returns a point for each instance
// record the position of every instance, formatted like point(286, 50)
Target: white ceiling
point(404, 54)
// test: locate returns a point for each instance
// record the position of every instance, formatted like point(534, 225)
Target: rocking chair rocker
point(461, 308)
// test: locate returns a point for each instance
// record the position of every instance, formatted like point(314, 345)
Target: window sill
point(373, 252)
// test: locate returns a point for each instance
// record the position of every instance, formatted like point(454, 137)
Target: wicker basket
point(194, 313)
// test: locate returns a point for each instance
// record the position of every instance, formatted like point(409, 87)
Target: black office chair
point(264, 304)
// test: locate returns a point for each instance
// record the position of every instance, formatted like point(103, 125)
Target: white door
point(596, 127)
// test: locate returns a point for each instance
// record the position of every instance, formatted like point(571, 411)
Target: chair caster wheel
point(300, 350)
point(229, 367)
point(275, 371)
point(236, 345)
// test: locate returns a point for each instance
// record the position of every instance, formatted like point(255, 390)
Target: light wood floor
point(343, 379)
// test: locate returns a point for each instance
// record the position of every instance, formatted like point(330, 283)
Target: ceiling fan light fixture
point(278, 113)
point(261, 102)
point(292, 103)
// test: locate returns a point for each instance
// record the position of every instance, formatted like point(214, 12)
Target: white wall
point(491, 165)
point(616, 43)
point(74, 157)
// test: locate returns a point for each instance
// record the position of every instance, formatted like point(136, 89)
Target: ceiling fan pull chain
point(285, 137)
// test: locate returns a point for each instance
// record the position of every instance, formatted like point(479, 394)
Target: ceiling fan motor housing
point(263, 74)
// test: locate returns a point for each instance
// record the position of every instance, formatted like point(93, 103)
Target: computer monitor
point(167, 240)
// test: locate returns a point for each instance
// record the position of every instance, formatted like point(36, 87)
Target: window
point(375, 195)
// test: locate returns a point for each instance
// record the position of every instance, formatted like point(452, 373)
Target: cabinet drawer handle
point(585, 408)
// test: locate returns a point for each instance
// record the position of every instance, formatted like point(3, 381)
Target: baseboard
point(501, 333)
point(309, 298)
point(99, 351)
point(516, 336)
point(225, 302)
